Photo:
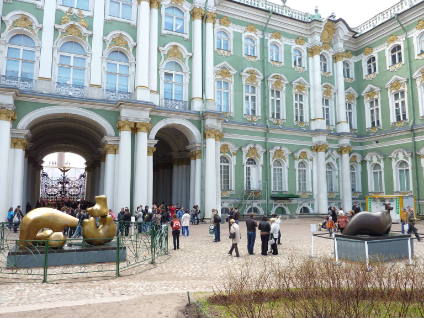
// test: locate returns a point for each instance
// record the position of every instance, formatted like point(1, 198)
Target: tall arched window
point(250, 99)
point(302, 170)
point(297, 58)
point(347, 71)
point(173, 82)
point(222, 96)
point(117, 72)
point(276, 101)
point(350, 114)
point(371, 65)
point(396, 54)
point(20, 57)
point(403, 176)
point(399, 103)
point(249, 47)
point(421, 44)
point(225, 173)
point(222, 41)
point(377, 177)
point(331, 178)
point(174, 19)
point(323, 63)
point(326, 110)
point(275, 53)
point(278, 176)
point(374, 108)
point(72, 64)
point(251, 174)
point(353, 176)
point(299, 108)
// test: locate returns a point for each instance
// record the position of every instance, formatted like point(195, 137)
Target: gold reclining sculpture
point(52, 222)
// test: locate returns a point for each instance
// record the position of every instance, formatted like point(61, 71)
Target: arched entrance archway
point(62, 129)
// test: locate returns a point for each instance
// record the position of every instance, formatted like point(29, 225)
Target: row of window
point(279, 176)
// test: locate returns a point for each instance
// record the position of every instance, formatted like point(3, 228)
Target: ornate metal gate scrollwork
point(63, 187)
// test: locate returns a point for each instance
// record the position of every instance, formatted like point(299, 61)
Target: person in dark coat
point(216, 225)
point(265, 228)
point(251, 226)
point(127, 221)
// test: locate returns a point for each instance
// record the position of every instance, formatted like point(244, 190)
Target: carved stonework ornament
point(23, 22)
point(150, 151)
point(224, 73)
point(180, 2)
point(225, 148)
point(252, 153)
point(300, 41)
point(197, 13)
point(276, 36)
point(350, 97)
point(218, 135)
point(175, 52)
point(251, 28)
point(300, 88)
point(338, 57)
point(279, 154)
point(210, 17)
point(18, 143)
point(328, 91)
point(142, 127)
point(154, 4)
point(119, 41)
point(124, 125)
point(303, 155)
point(314, 50)
point(368, 51)
point(392, 39)
point(225, 21)
point(210, 133)
point(73, 30)
point(83, 23)
point(111, 149)
point(7, 114)
point(320, 148)
point(278, 84)
point(396, 85)
point(345, 150)
point(353, 158)
point(420, 25)
point(328, 33)
point(371, 95)
point(252, 78)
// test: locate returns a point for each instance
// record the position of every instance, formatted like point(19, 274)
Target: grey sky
point(354, 12)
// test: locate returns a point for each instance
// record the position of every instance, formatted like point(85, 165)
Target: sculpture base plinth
point(365, 248)
point(69, 255)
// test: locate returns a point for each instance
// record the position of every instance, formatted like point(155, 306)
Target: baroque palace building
point(221, 103)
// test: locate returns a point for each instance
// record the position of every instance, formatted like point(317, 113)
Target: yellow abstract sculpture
point(45, 218)
point(48, 224)
point(107, 228)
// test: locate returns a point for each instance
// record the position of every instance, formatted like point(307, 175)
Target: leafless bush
point(322, 289)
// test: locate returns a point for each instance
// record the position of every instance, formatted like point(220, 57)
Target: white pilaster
point(210, 173)
point(97, 43)
point(153, 52)
point(197, 183)
point(124, 166)
point(18, 171)
point(46, 56)
point(197, 67)
point(318, 121)
point(150, 151)
point(109, 181)
point(209, 61)
point(5, 118)
point(192, 179)
point(322, 179)
point(142, 58)
point(218, 138)
point(140, 165)
point(346, 182)
point(342, 124)
point(315, 183)
point(101, 189)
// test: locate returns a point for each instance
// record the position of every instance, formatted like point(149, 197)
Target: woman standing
point(275, 228)
point(265, 229)
point(235, 237)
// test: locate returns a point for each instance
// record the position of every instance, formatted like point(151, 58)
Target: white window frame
point(388, 50)
point(255, 39)
point(284, 170)
point(308, 176)
point(249, 95)
point(258, 177)
point(381, 172)
point(305, 109)
point(230, 84)
point(328, 63)
point(272, 103)
point(186, 79)
point(351, 70)
point(280, 52)
point(353, 124)
point(397, 171)
point(398, 156)
point(64, 8)
point(419, 45)
point(230, 170)
point(419, 81)
point(36, 50)
point(229, 33)
point(304, 57)
point(365, 66)
point(334, 176)
point(185, 7)
point(372, 159)
point(130, 65)
point(305, 94)
point(355, 159)
point(133, 13)
point(245, 75)
point(229, 79)
point(331, 106)
point(371, 88)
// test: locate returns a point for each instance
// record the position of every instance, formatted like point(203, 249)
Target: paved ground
point(156, 290)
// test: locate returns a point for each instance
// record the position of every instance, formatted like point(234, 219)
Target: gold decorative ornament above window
point(175, 52)
point(279, 154)
point(225, 21)
point(371, 95)
point(252, 153)
point(119, 41)
point(397, 85)
point(224, 73)
point(180, 2)
point(252, 78)
point(225, 148)
point(300, 88)
point(300, 41)
point(392, 39)
point(327, 91)
point(350, 97)
point(73, 30)
point(328, 34)
point(368, 51)
point(420, 25)
point(276, 36)
point(251, 28)
point(23, 22)
point(303, 155)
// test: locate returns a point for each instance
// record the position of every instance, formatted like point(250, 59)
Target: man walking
point(185, 222)
point(251, 226)
point(216, 225)
point(176, 226)
point(411, 223)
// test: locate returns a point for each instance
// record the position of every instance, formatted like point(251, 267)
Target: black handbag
point(232, 235)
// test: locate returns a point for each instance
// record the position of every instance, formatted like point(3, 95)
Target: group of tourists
point(14, 217)
point(408, 219)
point(337, 219)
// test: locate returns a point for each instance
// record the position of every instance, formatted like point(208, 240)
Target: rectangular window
point(78, 4)
point(378, 187)
point(349, 114)
point(404, 180)
point(121, 9)
point(299, 115)
point(326, 111)
point(374, 112)
point(400, 106)
point(277, 184)
point(225, 177)
point(223, 96)
point(276, 104)
point(353, 179)
point(250, 100)
point(302, 180)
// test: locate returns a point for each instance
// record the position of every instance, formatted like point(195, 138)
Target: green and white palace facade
point(221, 103)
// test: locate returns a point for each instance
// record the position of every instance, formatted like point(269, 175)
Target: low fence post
point(2, 236)
point(46, 261)
point(153, 243)
point(166, 240)
point(118, 258)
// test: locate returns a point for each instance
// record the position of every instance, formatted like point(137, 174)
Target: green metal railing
point(143, 245)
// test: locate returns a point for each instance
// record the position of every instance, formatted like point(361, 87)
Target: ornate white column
point(209, 61)
point(345, 151)
point(197, 67)
point(142, 58)
point(109, 181)
point(124, 165)
point(312, 85)
point(315, 182)
point(18, 145)
point(210, 172)
point(88, 181)
point(150, 151)
point(97, 43)
point(101, 189)
point(6, 116)
point(198, 178)
point(318, 121)
point(192, 178)
point(153, 52)
point(342, 124)
point(140, 164)
point(320, 150)
point(46, 54)
point(218, 137)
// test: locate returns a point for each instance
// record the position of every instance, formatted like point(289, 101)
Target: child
point(330, 225)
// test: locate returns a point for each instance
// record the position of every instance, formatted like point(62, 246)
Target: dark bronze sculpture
point(370, 223)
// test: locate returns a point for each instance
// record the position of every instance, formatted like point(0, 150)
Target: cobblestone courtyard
point(158, 290)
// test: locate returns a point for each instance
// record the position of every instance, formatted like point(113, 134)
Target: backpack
point(176, 225)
